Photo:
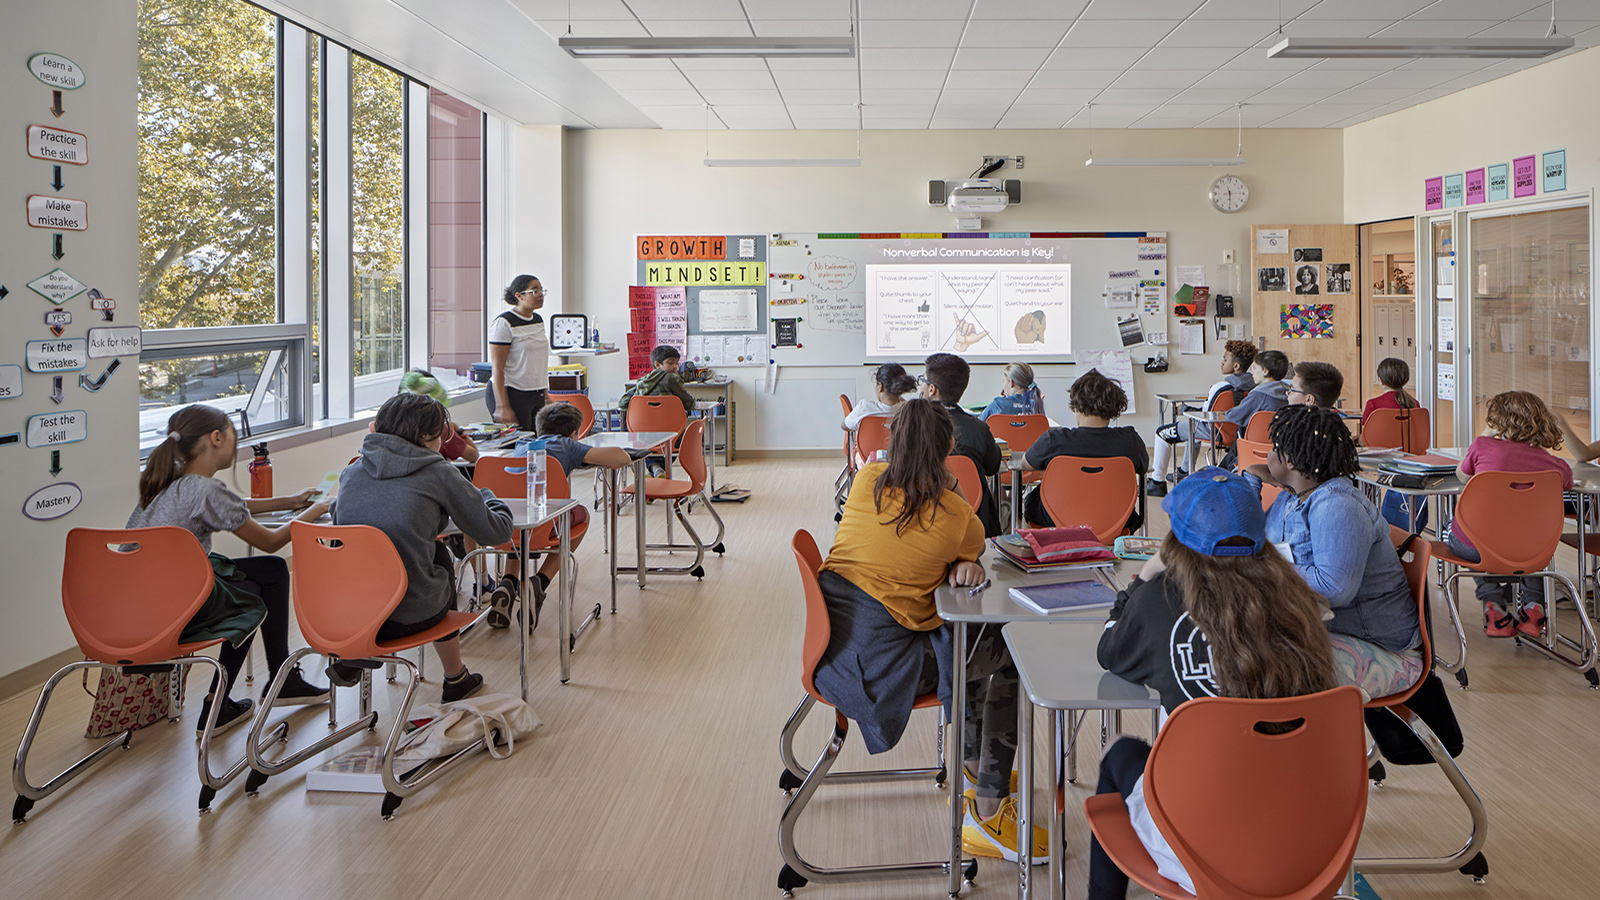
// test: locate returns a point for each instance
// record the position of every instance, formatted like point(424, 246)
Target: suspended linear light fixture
point(1420, 48)
point(1236, 160)
point(708, 47)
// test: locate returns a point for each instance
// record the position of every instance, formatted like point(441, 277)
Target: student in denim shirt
point(1341, 546)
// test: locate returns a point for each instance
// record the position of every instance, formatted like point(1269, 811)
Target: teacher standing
point(519, 354)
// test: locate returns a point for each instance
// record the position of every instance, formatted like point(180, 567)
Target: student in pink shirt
point(1522, 431)
point(1394, 374)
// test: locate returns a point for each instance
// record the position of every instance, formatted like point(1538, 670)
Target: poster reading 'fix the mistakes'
point(969, 309)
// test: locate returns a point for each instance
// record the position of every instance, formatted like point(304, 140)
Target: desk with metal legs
point(635, 441)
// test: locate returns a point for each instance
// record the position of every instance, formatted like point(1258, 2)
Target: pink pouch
point(1073, 543)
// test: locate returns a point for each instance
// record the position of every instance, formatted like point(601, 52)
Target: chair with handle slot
point(966, 473)
point(347, 580)
point(507, 477)
point(1097, 492)
point(1221, 434)
point(660, 413)
point(1258, 798)
point(1406, 430)
point(1254, 453)
point(872, 435)
point(1514, 519)
point(128, 594)
point(581, 401)
point(1259, 427)
point(799, 783)
point(681, 493)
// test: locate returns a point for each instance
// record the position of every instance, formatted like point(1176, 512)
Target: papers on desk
point(1049, 598)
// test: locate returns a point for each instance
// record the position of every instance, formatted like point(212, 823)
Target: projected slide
point(976, 311)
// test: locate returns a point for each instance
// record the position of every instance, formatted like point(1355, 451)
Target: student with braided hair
point(1340, 545)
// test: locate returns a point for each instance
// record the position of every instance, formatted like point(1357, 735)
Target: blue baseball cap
point(1213, 505)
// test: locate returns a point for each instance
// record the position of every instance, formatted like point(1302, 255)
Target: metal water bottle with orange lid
point(260, 473)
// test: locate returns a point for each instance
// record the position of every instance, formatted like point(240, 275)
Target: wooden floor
point(655, 771)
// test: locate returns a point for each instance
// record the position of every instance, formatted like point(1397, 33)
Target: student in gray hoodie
point(1270, 394)
point(402, 486)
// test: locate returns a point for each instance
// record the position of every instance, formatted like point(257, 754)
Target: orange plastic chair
point(966, 473)
point(1514, 519)
point(128, 594)
point(347, 579)
point(1222, 433)
point(819, 631)
point(507, 476)
point(581, 401)
point(1260, 423)
point(1405, 429)
point(1469, 859)
point(841, 484)
point(1249, 814)
point(1252, 453)
point(1099, 493)
point(872, 435)
point(664, 413)
point(681, 493)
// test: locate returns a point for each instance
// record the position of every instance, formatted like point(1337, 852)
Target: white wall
point(624, 183)
point(99, 36)
point(1547, 107)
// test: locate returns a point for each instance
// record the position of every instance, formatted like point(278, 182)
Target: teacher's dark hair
point(920, 437)
point(517, 286)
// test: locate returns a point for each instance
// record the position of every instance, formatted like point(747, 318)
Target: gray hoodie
point(411, 494)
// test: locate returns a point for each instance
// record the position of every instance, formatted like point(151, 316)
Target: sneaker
point(343, 675)
point(500, 606)
point(999, 833)
point(299, 692)
point(230, 715)
point(461, 689)
point(656, 470)
point(1153, 488)
point(1530, 622)
point(1497, 623)
point(538, 602)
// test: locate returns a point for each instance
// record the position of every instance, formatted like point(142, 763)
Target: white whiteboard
point(728, 310)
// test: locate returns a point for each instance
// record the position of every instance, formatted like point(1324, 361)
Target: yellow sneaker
point(999, 833)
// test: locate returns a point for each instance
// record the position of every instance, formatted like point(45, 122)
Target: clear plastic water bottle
point(536, 474)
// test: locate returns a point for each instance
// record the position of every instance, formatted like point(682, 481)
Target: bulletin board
point(818, 287)
point(724, 278)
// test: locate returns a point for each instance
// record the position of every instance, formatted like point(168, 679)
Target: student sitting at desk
point(1095, 400)
point(1218, 612)
point(1270, 394)
point(906, 530)
point(558, 422)
point(889, 385)
point(1393, 374)
point(456, 444)
point(1236, 359)
point(1315, 384)
point(663, 379)
point(404, 488)
point(1521, 433)
point(945, 380)
point(179, 487)
point(1019, 397)
point(1341, 547)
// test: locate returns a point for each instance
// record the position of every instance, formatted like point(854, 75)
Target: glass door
point(1530, 323)
point(1441, 276)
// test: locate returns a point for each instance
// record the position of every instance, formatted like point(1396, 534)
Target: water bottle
point(260, 473)
point(536, 475)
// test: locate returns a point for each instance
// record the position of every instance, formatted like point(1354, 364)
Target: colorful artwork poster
point(1524, 177)
point(1306, 320)
point(1555, 171)
point(1433, 193)
point(1475, 186)
point(1454, 190)
point(1499, 176)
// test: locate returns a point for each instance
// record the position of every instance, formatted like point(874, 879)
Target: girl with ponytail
point(179, 487)
point(1019, 397)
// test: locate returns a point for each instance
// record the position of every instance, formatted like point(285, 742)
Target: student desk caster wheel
point(698, 572)
point(719, 549)
point(19, 810)
point(1461, 676)
point(788, 880)
point(391, 802)
point(1594, 679)
point(253, 783)
point(787, 782)
point(207, 794)
point(1376, 773)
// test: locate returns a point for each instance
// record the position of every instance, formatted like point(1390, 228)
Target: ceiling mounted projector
point(975, 196)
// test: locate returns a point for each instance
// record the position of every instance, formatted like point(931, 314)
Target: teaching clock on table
point(568, 330)
point(1229, 193)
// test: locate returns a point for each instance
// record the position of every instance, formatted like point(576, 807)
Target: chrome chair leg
point(794, 773)
point(261, 767)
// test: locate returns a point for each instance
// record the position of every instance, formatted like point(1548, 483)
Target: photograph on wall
point(1272, 278)
point(1307, 254)
point(1305, 280)
point(1338, 278)
point(1131, 330)
point(1306, 320)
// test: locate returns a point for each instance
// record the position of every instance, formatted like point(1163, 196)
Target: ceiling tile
point(835, 96)
point(1256, 59)
point(899, 110)
point(685, 9)
point(908, 79)
point(1073, 78)
point(1218, 33)
point(900, 124)
point(1000, 57)
point(1118, 32)
point(891, 96)
point(1373, 96)
point(1112, 111)
point(1495, 10)
point(897, 58)
point(814, 80)
point(644, 97)
point(1297, 96)
point(1254, 9)
point(724, 81)
point(1156, 9)
point(1430, 28)
point(1186, 58)
point(988, 78)
point(658, 80)
point(631, 65)
point(1035, 117)
point(1173, 78)
point(1056, 96)
point(1241, 79)
point(1094, 58)
point(1150, 96)
point(1026, 9)
point(1364, 9)
point(1226, 96)
point(801, 27)
point(1007, 33)
point(1334, 27)
point(1534, 29)
point(941, 33)
point(1197, 110)
point(814, 65)
point(698, 27)
point(692, 67)
point(1156, 121)
point(540, 10)
point(1320, 78)
point(898, 10)
point(720, 97)
point(1253, 115)
point(594, 27)
point(683, 118)
point(993, 97)
point(1415, 79)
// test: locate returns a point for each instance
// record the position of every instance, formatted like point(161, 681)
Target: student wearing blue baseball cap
point(1217, 612)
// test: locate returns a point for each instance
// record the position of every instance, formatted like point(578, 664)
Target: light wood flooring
point(655, 771)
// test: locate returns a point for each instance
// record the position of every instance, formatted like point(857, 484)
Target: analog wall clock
point(1229, 193)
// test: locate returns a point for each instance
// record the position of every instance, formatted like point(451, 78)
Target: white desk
point(634, 441)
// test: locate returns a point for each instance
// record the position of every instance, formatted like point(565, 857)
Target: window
point(275, 243)
point(455, 244)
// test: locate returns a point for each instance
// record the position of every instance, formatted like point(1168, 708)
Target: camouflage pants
point(989, 734)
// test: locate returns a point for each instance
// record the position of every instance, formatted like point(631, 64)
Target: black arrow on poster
point(57, 250)
point(55, 462)
point(3, 291)
point(58, 395)
point(56, 109)
point(58, 184)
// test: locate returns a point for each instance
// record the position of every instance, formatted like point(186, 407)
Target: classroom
point(296, 203)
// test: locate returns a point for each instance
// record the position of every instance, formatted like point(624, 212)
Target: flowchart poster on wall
point(957, 308)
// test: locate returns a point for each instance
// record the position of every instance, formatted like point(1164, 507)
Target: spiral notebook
point(1050, 598)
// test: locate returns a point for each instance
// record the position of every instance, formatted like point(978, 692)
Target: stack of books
point(1426, 464)
point(1019, 553)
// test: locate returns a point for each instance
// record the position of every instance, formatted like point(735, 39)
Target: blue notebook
point(1049, 598)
